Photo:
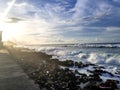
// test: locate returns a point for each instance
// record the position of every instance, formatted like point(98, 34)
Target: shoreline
point(52, 74)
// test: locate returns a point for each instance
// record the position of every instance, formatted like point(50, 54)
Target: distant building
point(1, 43)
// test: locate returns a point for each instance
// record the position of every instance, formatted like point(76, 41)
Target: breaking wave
point(79, 55)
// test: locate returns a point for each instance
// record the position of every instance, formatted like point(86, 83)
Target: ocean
point(101, 54)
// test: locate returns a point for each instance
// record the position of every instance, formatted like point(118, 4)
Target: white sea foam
point(79, 55)
point(105, 77)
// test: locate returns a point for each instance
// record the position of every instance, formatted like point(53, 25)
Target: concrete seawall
point(12, 77)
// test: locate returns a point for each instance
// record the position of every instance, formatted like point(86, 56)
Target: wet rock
point(109, 85)
point(79, 64)
point(68, 63)
point(55, 60)
point(92, 87)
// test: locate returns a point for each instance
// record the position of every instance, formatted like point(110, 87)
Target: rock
point(68, 63)
point(79, 64)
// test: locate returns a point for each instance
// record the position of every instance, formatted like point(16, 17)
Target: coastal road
point(12, 77)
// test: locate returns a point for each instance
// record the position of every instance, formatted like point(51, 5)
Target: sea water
point(106, 55)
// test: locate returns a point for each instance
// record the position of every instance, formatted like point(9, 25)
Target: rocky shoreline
point(52, 74)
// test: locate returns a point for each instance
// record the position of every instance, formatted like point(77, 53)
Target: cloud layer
point(66, 21)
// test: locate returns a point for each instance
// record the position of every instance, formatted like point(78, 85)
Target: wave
point(96, 45)
point(79, 55)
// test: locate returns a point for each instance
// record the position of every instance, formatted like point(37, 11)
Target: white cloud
point(21, 4)
point(79, 8)
point(86, 12)
point(118, 1)
point(103, 9)
point(22, 10)
point(112, 29)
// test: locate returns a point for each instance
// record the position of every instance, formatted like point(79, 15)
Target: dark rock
point(108, 85)
point(79, 64)
point(68, 63)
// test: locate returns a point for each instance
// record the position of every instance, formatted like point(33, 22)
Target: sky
point(60, 21)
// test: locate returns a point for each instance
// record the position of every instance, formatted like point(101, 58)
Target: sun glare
point(10, 30)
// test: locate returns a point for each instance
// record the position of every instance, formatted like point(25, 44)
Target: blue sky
point(64, 21)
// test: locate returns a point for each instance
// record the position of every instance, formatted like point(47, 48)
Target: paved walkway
point(12, 76)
